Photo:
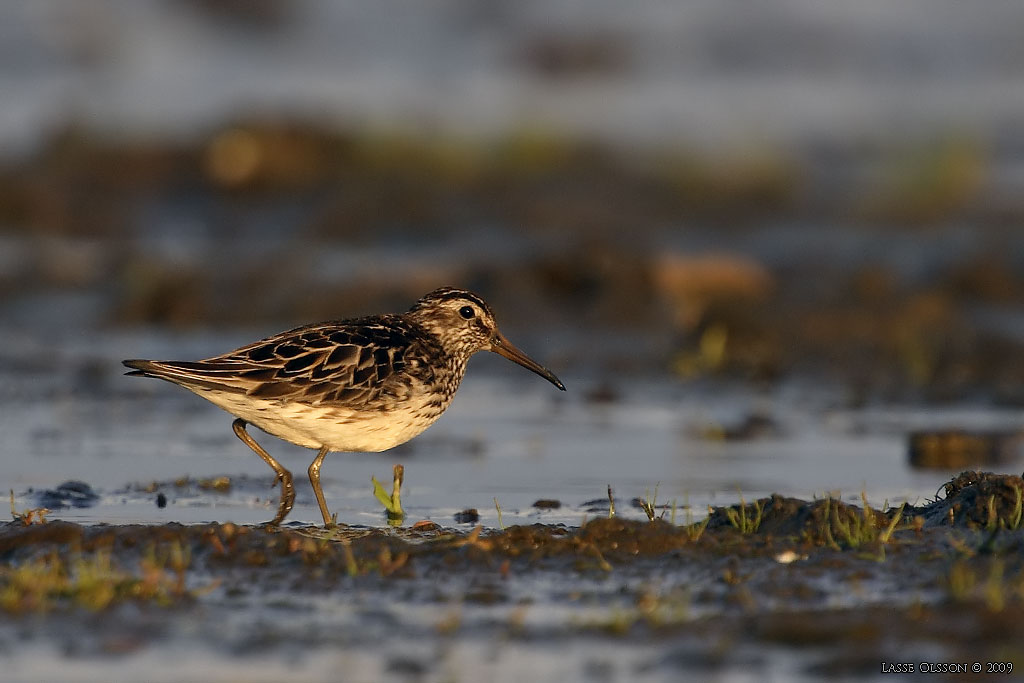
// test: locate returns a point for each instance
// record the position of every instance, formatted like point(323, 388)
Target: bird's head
point(465, 324)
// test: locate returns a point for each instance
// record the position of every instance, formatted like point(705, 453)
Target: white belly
point(340, 429)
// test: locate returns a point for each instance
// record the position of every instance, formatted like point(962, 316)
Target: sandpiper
point(362, 384)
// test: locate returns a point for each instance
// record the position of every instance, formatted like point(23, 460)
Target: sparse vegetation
point(93, 581)
point(843, 526)
point(745, 519)
point(649, 503)
point(694, 530)
point(1010, 521)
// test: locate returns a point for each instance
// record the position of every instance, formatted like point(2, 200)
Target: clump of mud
point(978, 500)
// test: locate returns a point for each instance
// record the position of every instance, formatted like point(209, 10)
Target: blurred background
point(764, 246)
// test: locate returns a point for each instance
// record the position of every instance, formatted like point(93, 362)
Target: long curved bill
point(503, 347)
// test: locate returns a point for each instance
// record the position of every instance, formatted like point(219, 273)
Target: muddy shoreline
point(838, 587)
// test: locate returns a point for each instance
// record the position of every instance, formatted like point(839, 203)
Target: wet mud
point(852, 585)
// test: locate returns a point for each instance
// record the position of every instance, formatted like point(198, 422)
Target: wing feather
point(346, 362)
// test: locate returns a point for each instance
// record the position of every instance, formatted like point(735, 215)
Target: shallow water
point(69, 414)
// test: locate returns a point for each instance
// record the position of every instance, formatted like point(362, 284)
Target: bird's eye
point(467, 312)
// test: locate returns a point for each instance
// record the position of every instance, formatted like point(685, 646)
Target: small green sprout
point(696, 529)
point(497, 507)
point(738, 517)
point(392, 502)
point(649, 503)
point(1009, 522)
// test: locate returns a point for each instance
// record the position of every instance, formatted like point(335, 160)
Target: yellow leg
point(314, 479)
point(283, 475)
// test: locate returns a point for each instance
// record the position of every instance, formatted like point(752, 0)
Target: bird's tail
point(141, 368)
point(221, 376)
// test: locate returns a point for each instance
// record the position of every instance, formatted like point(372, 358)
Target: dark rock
point(69, 494)
point(470, 516)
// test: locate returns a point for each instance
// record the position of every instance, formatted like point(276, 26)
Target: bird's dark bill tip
point(550, 376)
point(504, 347)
